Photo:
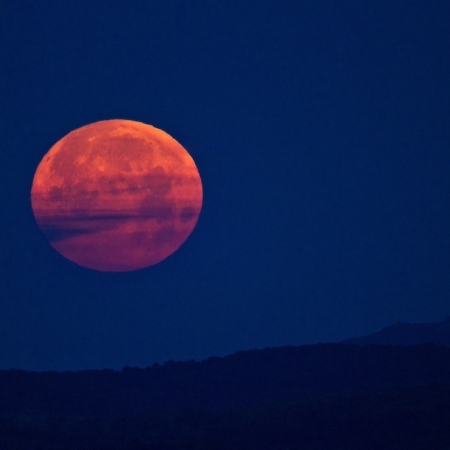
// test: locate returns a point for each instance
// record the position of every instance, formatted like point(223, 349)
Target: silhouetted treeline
point(242, 380)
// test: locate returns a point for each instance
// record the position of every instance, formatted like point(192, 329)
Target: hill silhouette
point(241, 380)
point(408, 334)
point(323, 396)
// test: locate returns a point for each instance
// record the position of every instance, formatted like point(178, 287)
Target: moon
point(116, 195)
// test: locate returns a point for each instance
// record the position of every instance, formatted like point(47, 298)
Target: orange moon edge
point(117, 195)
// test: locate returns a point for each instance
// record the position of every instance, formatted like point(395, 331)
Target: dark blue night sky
point(321, 130)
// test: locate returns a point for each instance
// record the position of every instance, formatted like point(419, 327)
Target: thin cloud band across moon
point(116, 195)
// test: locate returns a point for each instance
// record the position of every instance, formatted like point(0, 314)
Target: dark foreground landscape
point(324, 396)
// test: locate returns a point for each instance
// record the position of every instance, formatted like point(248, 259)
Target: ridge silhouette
point(408, 334)
point(322, 396)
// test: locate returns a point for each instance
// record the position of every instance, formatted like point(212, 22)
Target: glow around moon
point(116, 195)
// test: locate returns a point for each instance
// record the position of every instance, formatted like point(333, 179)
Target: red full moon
point(116, 195)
